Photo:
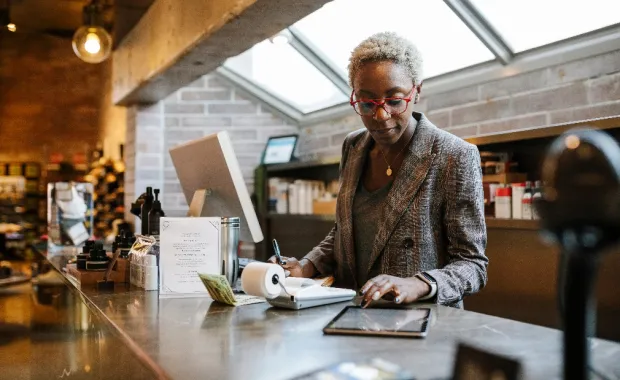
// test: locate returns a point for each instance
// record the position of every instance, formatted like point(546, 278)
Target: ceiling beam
point(127, 13)
point(481, 28)
point(178, 41)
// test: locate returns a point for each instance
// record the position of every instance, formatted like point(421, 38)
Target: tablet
point(353, 320)
point(279, 149)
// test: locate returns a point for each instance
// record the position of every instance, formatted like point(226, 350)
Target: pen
point(276, 249)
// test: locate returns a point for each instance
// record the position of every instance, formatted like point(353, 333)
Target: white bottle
point(537, 194)
point(301, 196)
point(518, 189)
point(526, 201)
point(292, 198)
point(503, 203)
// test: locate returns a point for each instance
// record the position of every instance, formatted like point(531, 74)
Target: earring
point(417, 96)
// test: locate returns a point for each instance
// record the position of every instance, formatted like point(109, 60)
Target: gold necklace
point(389, 167)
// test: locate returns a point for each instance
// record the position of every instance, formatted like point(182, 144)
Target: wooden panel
point(505, 177)
point(544, 132)
point(523, 282)
point(510, 224)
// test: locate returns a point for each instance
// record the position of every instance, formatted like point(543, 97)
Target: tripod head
point(580, 206)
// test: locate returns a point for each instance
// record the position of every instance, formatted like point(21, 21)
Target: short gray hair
point(387, 46)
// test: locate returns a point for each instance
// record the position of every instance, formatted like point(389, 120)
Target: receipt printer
point(268, 280)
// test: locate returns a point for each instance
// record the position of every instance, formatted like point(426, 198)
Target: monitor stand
point(199, 201)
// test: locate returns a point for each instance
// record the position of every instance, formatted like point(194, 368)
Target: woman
point(410, 215)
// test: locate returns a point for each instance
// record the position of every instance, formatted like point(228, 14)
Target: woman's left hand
point(404, 290)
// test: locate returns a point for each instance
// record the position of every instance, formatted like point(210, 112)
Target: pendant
point(389, 172)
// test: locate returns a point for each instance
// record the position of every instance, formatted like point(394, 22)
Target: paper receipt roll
point(257, 279)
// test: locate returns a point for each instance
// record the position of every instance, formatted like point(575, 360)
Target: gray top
point(367, 211)
point(195, 338)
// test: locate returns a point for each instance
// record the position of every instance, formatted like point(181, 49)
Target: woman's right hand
point(290, 264)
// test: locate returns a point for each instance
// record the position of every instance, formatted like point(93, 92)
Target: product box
point(324, 207)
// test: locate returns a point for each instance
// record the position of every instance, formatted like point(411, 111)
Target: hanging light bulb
point(91, 42)
point(5, 20)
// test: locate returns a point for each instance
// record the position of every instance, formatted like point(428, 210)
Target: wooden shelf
point(318, 218)
point(302, 165)
point(505, 177)
point(545, 131)
point(512, 224)
point(519, 224)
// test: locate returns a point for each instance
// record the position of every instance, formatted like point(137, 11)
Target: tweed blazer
point(433, 217)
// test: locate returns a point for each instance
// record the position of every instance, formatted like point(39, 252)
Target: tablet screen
point(381, 320)
point(279, 149)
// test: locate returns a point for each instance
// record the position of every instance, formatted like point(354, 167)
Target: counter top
point(189, 338)
point(47, 331)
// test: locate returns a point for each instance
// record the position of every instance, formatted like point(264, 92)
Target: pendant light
point(91, 42)
point(5, 19)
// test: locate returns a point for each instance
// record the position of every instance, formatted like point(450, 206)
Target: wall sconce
point(91, 42)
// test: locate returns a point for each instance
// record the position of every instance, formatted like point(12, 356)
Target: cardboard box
point(324, 207)
point(119, 274)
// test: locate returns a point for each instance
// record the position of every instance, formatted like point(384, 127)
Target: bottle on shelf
point(518, 189)
point(154, 215)
point(503, 202)
point(526, 201)
point(536, 195)
point(146, 208)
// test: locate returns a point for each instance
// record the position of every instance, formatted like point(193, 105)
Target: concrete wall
point(584, 89)
point(49, 99)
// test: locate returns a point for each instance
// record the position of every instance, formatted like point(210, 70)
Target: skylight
point(445, 42)
point(282, 70)
point(527, 24)
point(309, 73)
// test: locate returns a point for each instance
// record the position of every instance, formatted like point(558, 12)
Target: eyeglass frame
point(382, 104)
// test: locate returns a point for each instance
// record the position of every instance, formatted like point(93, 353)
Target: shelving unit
point(108, 179)
point(505, 177)
point(511, 224)
point(29, 211)
point(297, 234)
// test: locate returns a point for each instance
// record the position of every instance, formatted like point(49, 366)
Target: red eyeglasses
point(369, 107)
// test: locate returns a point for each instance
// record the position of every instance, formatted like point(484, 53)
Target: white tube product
point(258, 279)
point(518, 189)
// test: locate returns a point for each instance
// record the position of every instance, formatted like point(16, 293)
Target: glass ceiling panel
point(280, 69)
point(527, 24)
point(445, 42)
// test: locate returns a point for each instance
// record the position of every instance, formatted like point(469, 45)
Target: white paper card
point(78, 233)
point(188, 246)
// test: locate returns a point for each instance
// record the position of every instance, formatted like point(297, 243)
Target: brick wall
point(49, 99)
point(209, 105)
point(580, 90)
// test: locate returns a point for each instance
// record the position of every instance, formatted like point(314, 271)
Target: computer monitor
point(210, 164)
